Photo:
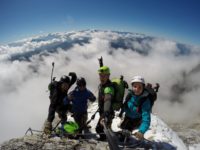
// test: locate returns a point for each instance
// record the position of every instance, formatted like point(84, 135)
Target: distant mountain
point(51, 43)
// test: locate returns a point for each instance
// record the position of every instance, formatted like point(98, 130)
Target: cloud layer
point(26, 68)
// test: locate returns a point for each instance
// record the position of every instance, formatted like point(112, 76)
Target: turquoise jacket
point(131, 110)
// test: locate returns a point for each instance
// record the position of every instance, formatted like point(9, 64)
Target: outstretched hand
point(104, 121)
point(139, 135)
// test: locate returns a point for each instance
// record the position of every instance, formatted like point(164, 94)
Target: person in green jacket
point(105, 97)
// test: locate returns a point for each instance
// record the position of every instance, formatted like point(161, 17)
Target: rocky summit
point(39, 142)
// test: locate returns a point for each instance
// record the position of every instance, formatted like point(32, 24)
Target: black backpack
point(52, 87)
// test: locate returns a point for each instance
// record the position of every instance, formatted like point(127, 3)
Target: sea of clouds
point(25, 71)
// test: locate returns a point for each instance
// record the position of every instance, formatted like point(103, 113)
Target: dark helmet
point(65, 79)
point(81, 82)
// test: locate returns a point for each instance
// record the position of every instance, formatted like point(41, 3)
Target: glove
point(103, 121)
point(47, 127)
point(73, 78)
point(104, 118)
point(139, 135)
point(72, 74)
point(125, 84)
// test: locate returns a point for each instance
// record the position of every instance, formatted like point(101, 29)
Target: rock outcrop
point(39, 142)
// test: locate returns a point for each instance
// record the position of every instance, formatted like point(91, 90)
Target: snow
point(159, 132)
point(194, 147)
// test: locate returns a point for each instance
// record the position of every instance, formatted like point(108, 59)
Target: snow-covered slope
point(159, 136)
point(159, 133)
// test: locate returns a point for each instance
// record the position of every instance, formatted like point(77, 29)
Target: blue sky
point(172, 19)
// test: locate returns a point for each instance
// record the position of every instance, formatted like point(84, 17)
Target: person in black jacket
point(59, 100)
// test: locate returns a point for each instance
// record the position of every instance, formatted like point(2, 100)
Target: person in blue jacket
point(137, 108)
point(79, 97)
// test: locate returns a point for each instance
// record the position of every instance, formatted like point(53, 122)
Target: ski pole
point(88, 122)
point(92, 117)
point(32, 130)
point(56, 125)
point(52, 72)
point(100, 61)
point(111, 138)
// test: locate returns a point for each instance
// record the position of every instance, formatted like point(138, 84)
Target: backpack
point(68, 127)
point(51, 87)
point(119, 86)
point(149, 92)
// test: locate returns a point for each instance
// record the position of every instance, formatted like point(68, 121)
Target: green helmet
point(71, 127)
point(104, 69)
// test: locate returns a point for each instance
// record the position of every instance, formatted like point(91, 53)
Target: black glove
point(72, 74)
point(125, 84)
point(73, 77)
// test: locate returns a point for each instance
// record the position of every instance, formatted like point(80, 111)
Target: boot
point(47, 127)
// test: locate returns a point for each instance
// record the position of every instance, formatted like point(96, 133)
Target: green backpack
point(69, 127)
point(119, 86)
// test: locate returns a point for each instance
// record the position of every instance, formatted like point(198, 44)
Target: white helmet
point(138, 79)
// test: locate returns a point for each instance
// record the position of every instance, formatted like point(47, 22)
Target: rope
point(32, 130)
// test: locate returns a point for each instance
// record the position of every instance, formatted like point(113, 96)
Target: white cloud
point(23, 97)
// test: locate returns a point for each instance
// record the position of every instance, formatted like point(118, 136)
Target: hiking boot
point(47, 127)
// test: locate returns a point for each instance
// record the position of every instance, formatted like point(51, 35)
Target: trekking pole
point(88, 122)
point(144, 140)
point(52, 72)
point(56, 125)
point(29, 129)
point(92, 117)
point(111, 138)
point(32, 130)
point(100, 61)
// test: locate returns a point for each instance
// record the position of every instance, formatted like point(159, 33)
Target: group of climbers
point(136, 106)
point(62, 102)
